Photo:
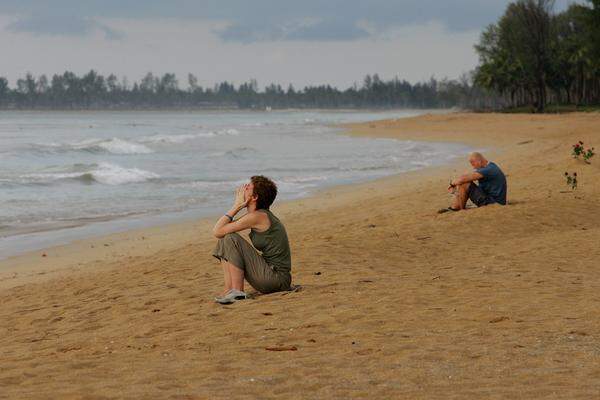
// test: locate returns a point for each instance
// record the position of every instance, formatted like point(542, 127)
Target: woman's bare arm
point(224, 226)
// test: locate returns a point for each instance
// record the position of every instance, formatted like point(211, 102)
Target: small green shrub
point(580, 151)
point(571, 180)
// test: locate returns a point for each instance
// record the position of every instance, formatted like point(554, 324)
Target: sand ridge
point(397, 301)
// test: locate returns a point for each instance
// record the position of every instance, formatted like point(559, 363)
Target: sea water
point(67, 175)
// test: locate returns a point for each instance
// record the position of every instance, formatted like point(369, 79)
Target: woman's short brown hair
point(265, 189)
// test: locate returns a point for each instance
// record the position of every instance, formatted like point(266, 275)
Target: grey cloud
point(264, 20)
point(330, 30)
point(62, 26)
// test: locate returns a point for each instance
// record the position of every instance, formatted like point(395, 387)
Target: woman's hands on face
point(239, 201)
point(225, 223)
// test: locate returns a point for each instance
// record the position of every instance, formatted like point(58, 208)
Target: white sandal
point(231, 297)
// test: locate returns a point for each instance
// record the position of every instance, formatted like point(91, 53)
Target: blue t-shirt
point(493, 183)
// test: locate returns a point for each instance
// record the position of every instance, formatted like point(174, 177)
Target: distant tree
point(533, 56)
point(4, 90)
point(124, 83)
point(192, 83)
point(290, 90)
point(42, 84)
point(515, 54)
point(592, 20)
point(148, 83)
point(28, 85)
point(570, 54)
point(532, 42)
point(112, 83)
point(167, 84)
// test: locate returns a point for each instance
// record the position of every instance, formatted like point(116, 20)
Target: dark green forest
point(94, 91)
point(534, 57)
point(531, 58)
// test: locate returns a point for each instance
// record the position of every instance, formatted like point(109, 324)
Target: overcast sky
point(300, 42)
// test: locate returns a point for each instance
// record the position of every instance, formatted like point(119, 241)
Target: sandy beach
point(396, 300)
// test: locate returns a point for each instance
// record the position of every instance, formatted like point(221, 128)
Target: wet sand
point(396, 301)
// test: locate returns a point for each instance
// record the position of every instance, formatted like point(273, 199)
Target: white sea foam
point(119, 146)
point(111, 174)
point(233, 132)
point(176, 139)
point(104, 173)
point(238, 152)
point(209, 185)
point(111, 146)
point(304, 179)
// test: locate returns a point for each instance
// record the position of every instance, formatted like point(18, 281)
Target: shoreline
point(60, 228)
point(237, 110)
point(396, 300)
point(385, 128)
point(128, 228)
point(109, 247)
point(66, 232)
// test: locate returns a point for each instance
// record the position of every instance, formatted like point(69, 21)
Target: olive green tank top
point(274, 245)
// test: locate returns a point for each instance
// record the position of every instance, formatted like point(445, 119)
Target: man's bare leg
point(461, 196)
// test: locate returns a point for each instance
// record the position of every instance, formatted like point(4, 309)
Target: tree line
point(533, 56)
point(95, 91)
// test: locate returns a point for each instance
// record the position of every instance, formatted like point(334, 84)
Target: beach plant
point(580, 151)
point(571, 180)
point(577, 149)
point(589, 153)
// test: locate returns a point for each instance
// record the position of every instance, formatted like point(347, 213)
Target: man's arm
point(466, 178)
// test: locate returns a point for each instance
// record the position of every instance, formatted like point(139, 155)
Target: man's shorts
point(478, 197)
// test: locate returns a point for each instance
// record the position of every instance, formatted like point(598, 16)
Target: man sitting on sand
point(267, 272)
point(491, 188)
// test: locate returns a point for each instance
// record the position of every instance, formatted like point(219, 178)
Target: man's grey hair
point(477, 155)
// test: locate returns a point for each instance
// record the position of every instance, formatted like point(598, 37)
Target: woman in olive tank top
point(268, 271)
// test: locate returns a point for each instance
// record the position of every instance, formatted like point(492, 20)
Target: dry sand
point(397, 301)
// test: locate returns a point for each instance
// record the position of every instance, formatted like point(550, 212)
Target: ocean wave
point(241, 152)
point(129, 146)
point(231, 131)
point(6, 182)
point(111, 146)
point(304, 179)
point(285, 187)
point(288, 184)
point(175, 139)
point(209, 185)
point(236, 153)
point(120, 146)
point(103, 173)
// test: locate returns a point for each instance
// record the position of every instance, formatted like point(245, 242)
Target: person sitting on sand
point(267, 272)
point(491, 188)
